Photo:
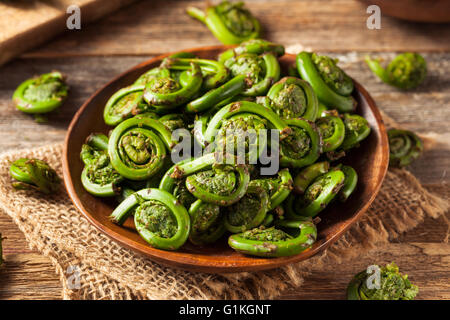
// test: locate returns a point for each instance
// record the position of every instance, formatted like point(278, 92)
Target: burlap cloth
point(53, 226)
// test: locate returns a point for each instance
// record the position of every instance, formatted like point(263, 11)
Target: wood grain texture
point(158, 26)
point(86, 57)
point(26, 24)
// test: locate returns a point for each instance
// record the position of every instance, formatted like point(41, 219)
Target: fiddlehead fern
point(286, 239)
point(278, 188)
point(393, 286)
point(206, 223)
point(124, 104)
point(166, 93)
point(331, 84)
point(208, 181)
point(356, 129)
point(404, 147)
point(160, 220)
point(256, 46)
point(405, 71)
point(226, 91)
point(317, 196)
point(249, 212)
point(293, 98)
point(261, 71)
point(138, 147)
point(41, 94)
point(332, 130)
point(34, 174)
point(307, 175)
point(231, 23)
point(214, 72)
point(98, 176)
point(350, 182)
point(302, 146)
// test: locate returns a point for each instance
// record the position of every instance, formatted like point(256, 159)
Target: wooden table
point(96, 53)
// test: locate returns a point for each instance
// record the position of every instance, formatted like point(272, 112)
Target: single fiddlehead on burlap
point(138, 147)
point(406, 71)
point(287, 238)
point(331, 84)
point(34, 174)
point(98, 176)
point(404, 147)
point(41, 94)
point(392, 285)
point(229, 22)
point(160, 220)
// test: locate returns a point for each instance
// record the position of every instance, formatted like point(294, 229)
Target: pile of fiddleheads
point(237, 113)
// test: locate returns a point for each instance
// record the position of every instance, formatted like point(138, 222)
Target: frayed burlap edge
point(107, 271)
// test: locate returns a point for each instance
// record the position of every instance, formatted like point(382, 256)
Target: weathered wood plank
point(25, 25)
point(153, 27)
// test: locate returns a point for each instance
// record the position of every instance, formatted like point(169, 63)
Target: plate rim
point(182, 261)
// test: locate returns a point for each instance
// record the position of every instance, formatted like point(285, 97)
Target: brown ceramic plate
point(370, 161)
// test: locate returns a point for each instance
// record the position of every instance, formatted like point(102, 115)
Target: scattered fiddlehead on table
point(287, 238)
point(392, 286)
point(405, 71)
point(404, 147)
point(41, 94)
point(34, 174)
point(331, 84)
point(161, 221)
point(98, 176)
point(231, 23)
